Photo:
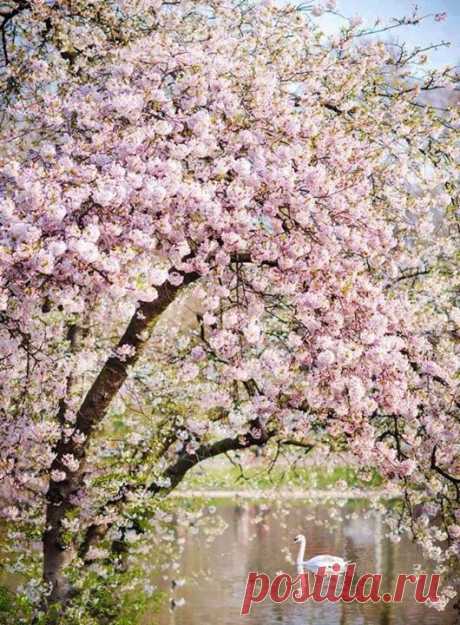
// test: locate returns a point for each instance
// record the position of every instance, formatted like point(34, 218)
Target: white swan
point(314, 564)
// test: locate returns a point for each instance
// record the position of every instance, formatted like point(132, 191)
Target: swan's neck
point(301, 554)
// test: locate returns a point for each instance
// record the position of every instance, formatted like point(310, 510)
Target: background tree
point(287, 185)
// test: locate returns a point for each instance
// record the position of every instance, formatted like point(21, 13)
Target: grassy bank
point(228, 477)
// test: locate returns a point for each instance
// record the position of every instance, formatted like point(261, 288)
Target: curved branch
point(186, 461)
point(450, 478)
point(174, 474)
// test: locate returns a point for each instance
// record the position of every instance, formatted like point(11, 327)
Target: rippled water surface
point(259, 537)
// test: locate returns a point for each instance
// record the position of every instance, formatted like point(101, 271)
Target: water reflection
point(259, 537)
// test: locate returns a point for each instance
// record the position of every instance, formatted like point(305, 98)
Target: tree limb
point(174, 474)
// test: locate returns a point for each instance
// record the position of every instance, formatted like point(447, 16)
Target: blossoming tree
point(295, 190)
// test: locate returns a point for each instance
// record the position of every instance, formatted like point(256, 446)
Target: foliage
point(221, 229)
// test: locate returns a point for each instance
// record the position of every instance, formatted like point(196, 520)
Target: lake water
point(259, 537)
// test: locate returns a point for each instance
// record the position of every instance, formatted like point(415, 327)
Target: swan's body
point(318, 562)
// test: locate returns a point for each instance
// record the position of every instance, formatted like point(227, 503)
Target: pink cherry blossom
point(221, 229)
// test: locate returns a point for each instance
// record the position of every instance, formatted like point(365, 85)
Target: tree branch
point(453, 480)
point(174, 474)
point(8, 17)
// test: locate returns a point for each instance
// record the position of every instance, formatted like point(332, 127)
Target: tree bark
point(175, 473)
point(62, 496)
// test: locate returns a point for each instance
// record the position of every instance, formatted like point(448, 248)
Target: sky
point(429, 31)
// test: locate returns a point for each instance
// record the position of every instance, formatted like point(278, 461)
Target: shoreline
point(285, 494)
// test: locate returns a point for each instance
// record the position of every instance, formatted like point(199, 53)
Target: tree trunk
point(56, 559)
point(62, 495)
